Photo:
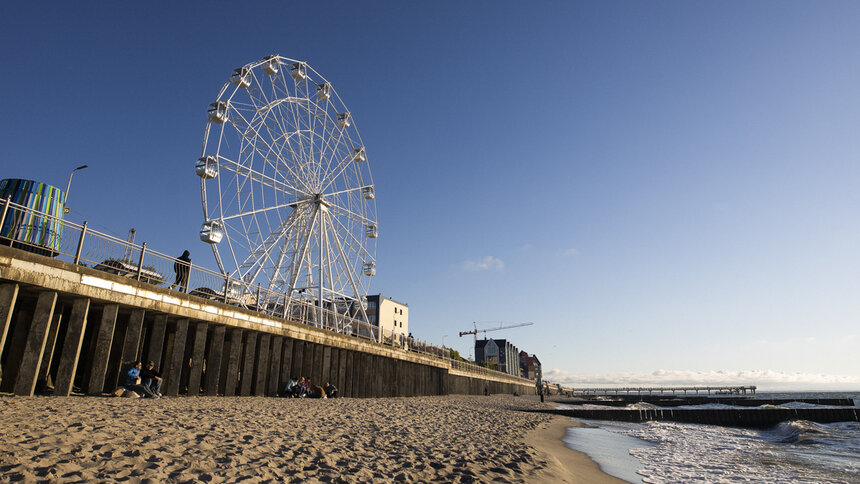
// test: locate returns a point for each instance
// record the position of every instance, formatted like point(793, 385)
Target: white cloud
point(486, 263)
point(763, 379)
point(570, 252)
point(526, 247)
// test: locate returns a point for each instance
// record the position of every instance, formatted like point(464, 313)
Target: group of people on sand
point(145, 381)
point(302, 387)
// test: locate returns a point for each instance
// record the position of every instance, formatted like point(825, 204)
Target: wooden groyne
point(750, 418)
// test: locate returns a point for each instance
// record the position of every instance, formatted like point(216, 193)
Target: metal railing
point(33, 231)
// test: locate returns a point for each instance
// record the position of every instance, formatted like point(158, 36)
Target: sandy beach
point(253, 439)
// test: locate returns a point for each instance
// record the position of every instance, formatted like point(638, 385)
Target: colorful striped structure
point(37, 229)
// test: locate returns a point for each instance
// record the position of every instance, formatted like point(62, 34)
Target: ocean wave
point(798, 432)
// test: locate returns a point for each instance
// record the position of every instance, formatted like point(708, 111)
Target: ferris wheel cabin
point(344, 120)
point(359, 154)
point(324, 91)
point(241, 76)
point(368, 193)
point(206, 168)
point(211, 232)
point(299, 71)
point(272, 64)
point(371, 231)
point(218, 112)
point(369, 269)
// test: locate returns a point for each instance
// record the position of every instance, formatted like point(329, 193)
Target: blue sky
point(668, 190)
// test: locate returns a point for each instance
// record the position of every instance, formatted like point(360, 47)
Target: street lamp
point(68, 186)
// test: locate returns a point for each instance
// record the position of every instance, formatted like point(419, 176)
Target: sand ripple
point(252, 439)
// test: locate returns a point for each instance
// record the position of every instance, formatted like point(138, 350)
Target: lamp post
point(69, 185)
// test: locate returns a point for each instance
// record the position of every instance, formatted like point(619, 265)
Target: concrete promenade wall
point(73, 328)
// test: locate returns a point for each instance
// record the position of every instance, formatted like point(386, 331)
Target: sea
point(667, 452)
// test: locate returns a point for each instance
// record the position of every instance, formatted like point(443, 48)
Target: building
point(529, 365)
point(389, 315)
point(498, 354)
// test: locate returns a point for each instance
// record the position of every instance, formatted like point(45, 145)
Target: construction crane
point(476, 330)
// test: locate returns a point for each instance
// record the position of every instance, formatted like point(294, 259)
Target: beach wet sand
point(256, 439)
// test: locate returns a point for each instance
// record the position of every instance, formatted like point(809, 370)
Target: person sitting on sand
point(132, 381)
point(151, 378)
point(330, 390)
point(300, 390)
point(290, 389)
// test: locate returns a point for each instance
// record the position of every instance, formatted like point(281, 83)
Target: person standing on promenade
point(151, 378)
point(182, 267)
point(132, 381)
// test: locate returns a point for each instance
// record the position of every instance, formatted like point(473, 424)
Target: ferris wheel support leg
point(336, 320)
point(352, 280)
point(300, 256)
point(321, 215)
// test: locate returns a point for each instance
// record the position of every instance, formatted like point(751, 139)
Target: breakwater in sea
point(732, 417)
point(684, 401)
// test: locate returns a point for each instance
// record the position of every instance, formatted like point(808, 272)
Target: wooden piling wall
point(75, 329)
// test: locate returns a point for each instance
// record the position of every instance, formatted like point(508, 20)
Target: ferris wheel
point(288, 198)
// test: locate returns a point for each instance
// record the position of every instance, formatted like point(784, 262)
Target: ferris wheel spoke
point(264, 247)
point(354, 241)
point(347, 190)
point(295, 115)
point(261, 258)
point(351, 214)
point(338, 143)
point(344, 164)
point(253, 175)
point(266, 112)
point(352, 283)
point(299, 258)
point(269, 146)
point(320, 116)
point(328, 148)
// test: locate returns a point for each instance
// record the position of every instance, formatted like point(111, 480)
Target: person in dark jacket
point(330, 390)
point(132, 381)
point(151, 378)
point(182, 267)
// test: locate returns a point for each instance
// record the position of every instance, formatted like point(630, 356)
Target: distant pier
point(716, 390)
